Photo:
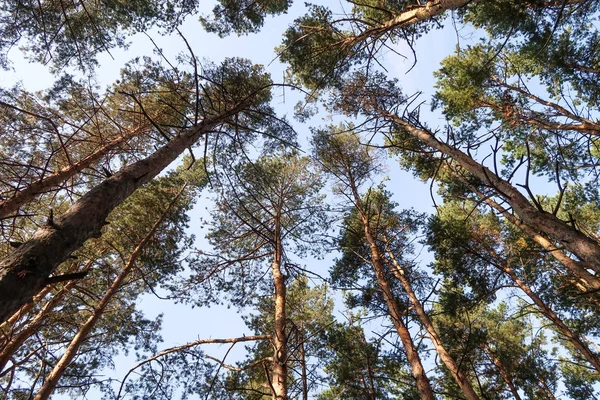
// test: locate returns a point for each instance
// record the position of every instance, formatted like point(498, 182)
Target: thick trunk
point(27, 194)
point(587, 249)
point(71, 351)
point(503, 371)
point(279, 371)
point(585, 281)
point(8, 326)
point(24, 272)
point(459, 377)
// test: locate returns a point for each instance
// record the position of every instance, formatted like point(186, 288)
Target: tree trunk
point(587, 249)
point(57, 372)
point(27, 194)
point(279, 371)
point(459, 377)
point(24, 272)
point(423, 385)
point(571, 336)
point(503, 371)
point(585, 281)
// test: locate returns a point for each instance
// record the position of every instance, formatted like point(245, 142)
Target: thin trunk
point(459, 377)
point(29, 193)
point(279, 372)
point(503, 371)
point(576, 242)
point(571, 336)
point(370, 385)
point(24, 272)
point(423, 385)
point(57, 372)
point(18, 339)
point(546, 388)
point(303, 366)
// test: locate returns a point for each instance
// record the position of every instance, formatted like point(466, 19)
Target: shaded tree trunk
point(18, 339)
point(503, 371)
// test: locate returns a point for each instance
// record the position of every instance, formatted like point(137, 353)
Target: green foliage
point(242, 16)
point(73, 33)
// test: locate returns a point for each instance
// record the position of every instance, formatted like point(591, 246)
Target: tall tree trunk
point(503, 371)
point(57, 372)
point(459, 377)
point(27, 194)
point(304, 376)
point(587, 249)
point(423, 385)
point(24, 272)
point(585, 281)
point(279, 371)
point(571, 336)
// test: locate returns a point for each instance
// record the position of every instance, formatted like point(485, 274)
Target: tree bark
point(27, 194)
point(422, 381)
point(459, 377)
point(585, 281)
point(503, 371)
point(587, 249)
point(279, 369)
point(571, 336)
point(24, 272)
point(57, 372)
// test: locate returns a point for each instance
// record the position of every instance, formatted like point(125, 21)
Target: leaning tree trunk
point(30, 192)
point(584, 280)
point(59, 369)
point(587, 249)
point(576, 340)
point(422, 381)
point(505, 375)
point(459, 377)
point(32, 327)
point(25, 271)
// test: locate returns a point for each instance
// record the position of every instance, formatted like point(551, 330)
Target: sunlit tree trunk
point(279, 371)
point(30, 192)
point(459, 377)
point(587, 249)
point(422, 381)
